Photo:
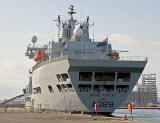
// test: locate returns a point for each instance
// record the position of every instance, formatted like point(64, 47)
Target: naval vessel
point(75, 72)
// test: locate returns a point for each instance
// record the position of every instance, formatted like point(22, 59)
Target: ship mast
point(71, 22)
point(66, 28)
point(59, 25)
point(71, 12)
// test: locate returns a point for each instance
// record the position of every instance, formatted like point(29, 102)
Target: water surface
point(140, 114)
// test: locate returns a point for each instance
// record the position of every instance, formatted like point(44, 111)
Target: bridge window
point(101, 76)
point(37, 90)
point(122, 88)
point(50, 89)
point(59, 88)
point(68, 85)
point(123, 77)
point(58, 77)
point(63, 86)
point(62, 77)
point(85, 76)
point(103, 88)
point(84, 88)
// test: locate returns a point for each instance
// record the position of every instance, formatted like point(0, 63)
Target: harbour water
point(140, 114)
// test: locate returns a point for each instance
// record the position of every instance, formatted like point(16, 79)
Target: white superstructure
point(76, 73)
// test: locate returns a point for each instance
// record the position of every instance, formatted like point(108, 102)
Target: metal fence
point(11, 108)
point(17, 107)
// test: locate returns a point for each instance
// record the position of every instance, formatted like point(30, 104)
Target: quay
point(59, 117)
point(139, 107)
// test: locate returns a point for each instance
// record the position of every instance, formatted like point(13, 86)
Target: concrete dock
point(55, 117)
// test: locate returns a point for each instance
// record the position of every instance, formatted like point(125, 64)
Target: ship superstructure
point(75, 73)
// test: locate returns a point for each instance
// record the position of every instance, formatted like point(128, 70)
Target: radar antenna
point(34, 40)
point(71, 11)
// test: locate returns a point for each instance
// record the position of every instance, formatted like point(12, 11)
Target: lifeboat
point(39, 55)
point(115, 56)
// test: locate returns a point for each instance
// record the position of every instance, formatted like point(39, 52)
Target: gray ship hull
point(74, 99)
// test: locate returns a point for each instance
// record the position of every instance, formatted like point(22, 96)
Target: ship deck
point(138, 59)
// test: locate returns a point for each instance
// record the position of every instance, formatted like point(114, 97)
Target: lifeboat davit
point(39, 55)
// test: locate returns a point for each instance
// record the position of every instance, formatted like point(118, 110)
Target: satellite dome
point(34, 39)
point(79, 33)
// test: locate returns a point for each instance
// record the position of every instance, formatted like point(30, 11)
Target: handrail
point(109, 58)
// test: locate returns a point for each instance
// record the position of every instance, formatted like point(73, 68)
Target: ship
point(76, 73)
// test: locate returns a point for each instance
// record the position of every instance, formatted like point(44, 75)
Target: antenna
point(93, 31)
point(58, 20)
point(87, 21)
point(107, 47)
point(59, 25)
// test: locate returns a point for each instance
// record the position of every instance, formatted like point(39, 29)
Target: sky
point(132, 25)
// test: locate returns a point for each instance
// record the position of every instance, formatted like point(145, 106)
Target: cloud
point(14, 76)
point(122, 39)
point(157, 54)
point(137, 47)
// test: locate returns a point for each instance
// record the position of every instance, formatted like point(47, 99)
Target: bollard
point(82, 113)
point(125, 117)
point(95, 108)
point(130, 110)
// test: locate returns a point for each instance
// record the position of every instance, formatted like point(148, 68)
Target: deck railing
point(109, 58)
point(112, 58)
